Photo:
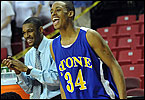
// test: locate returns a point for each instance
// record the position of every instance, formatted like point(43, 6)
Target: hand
point(16, 71)
point(10, 62)
point(6, 62)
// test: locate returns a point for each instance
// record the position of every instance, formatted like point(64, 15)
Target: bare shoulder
point(94, 38)
point(100, 47)
point(91, 32)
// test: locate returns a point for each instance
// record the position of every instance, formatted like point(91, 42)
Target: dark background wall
point(106, 12)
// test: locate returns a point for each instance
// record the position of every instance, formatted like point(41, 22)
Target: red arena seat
point(135, 92)
point(3, 53)
point(133, 70)
point(127, 19)
point(132, 82)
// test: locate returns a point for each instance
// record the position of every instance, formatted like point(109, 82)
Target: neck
point(69, 34)
point(68, 31)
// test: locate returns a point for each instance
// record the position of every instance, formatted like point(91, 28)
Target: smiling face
point(59, 15)
point(31, 35)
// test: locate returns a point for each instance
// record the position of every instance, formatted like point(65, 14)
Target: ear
point(71, 14)
point(41, 29)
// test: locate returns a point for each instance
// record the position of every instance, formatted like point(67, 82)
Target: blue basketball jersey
point(82, 73)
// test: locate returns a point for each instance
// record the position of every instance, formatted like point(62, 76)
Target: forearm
point(25, 82)
point(6, 22)
point(119, 80)
point(62, 92)
point(38, 11)
point(45, 77)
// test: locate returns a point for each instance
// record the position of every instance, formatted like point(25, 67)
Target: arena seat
point(142, 81)
point(142, 28)
point(129, 56)
point(125, 56)
point(126, 33)
point(132, 82)
point(133, 70)
point(141, 47)
point(130, 42)
point(107, 31)
point(123, 21)
point(127, 19)
point(140, 35)
point(112, 42)
point(135, 92)
point(102, 31)
point(125, 41)
point(141, 18)
point(3, 53)
point(142, 42)
point(141, 32)
point(140, 22)
point(123, 30)
point(136, 42)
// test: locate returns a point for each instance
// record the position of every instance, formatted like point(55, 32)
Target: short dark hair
point(69, 6)
point(10, 95)
point(34, 20)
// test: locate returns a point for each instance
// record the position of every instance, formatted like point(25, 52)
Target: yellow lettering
point(70, 86)
point(87, 62)
point(61, 66)
point(78, 61)
point(69, 66)
point(80, 81)
point(72, 62)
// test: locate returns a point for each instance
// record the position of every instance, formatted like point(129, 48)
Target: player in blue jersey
point(86, 66)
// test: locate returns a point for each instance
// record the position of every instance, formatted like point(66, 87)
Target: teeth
point(55, 19)
point(29, 40)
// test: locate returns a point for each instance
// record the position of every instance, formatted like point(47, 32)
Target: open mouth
point(55, 21)
point(29, 40)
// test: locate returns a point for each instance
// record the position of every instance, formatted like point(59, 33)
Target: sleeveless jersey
point(82, 73)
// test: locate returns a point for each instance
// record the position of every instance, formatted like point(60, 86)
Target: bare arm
point(38, 10)
point(104, 52)
point(8, 20)
point(62, 92)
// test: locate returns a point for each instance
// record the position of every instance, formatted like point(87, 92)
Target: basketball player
point(86, 66)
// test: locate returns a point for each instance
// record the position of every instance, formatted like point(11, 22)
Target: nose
point(26, 35)
point(53, 13)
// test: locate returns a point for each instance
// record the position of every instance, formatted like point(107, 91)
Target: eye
point(23, 33)
point(58, 10)
point(51, 12)
point(30, 30)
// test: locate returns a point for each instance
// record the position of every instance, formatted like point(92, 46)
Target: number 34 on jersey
point(79, 81)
